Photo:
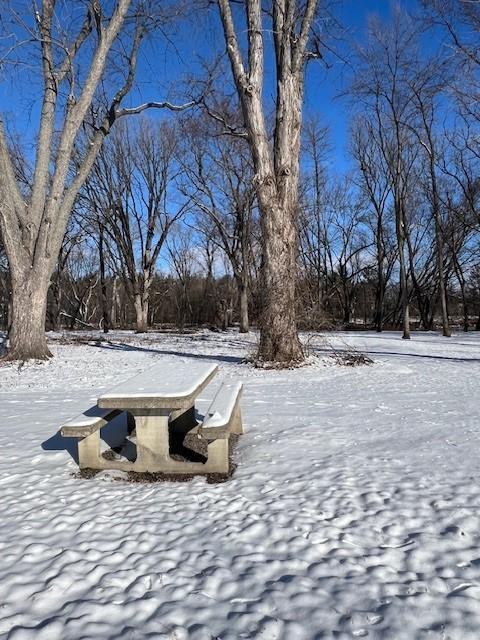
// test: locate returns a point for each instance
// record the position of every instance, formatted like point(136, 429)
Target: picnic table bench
point(156, 402)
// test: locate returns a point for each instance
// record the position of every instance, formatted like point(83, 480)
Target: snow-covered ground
point(354, 510)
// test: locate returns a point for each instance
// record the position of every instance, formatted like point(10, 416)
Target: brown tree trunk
point(405, 305)
point(29, 305)
point(380, 288)
point(115, 303)
point(440, 270)
point(243, 307)
point(403, 275)
point(141, 313)
point(461, 281)
point(278, 327)
point(103, 282)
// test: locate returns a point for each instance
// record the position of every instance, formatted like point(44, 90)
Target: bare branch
point(127, 111)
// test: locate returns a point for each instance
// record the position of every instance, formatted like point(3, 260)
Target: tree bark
point(400, 227)
point(243, 307)
point(115, 302)
point(29, 304)
point(439, 252)
point(446, 331)
point(380, 288)
point(278, 328)
point(103, 282)
point(141, 312)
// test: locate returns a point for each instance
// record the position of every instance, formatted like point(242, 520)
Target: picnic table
point(158, 401)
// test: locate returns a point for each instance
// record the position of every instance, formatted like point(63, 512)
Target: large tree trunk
point(278, 327)
point(29, 305)
point(141, 312)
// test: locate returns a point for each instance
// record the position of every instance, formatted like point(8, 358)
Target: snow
point(173, 381)
point(221, 409)
point(353, 511)
point(88, 418)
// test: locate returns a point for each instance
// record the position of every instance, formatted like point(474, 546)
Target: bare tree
point(276, 166)
point(74, 67)
point(311, 224)
point(425, 85)
point(374, 182)
point(132, 189)
point(218, 182)
point(381, 77)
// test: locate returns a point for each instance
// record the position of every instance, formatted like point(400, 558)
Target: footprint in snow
point(406, 543)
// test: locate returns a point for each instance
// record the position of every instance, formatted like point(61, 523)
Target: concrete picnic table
point(160, 396)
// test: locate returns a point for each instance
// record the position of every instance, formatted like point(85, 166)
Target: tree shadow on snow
point(118, 346)
point(330, 351)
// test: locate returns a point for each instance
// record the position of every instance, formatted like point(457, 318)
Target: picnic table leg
point(237, 426)
point(89, 452)
point(152, 438)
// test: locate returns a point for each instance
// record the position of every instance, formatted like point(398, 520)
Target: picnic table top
point(166, 385)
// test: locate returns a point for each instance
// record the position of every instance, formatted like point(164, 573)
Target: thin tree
point(132, 186)
point(380, 83)
point(311, 226)
point(373, 180)
point(218, 183)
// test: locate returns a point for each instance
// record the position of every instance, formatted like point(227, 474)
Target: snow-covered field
point(354, 510)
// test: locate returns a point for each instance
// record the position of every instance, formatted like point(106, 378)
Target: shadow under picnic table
point(113, 434)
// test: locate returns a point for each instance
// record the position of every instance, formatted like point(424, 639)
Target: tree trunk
point(243, 307)
point(115, 303)
point(403, 280)
point(380, 288)
point(278, 327)
point(379, 298)
point(347, 312)
point(441, 276)
point(103, 282)
point(29, 305)
point(461, 281)
point(141, 313)
point(406, 310)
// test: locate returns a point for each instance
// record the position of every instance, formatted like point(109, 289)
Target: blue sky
point(164, 65)
point(200, 38)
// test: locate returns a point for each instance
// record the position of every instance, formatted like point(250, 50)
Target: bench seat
point(88, 422)
point(223, 416)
